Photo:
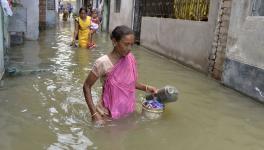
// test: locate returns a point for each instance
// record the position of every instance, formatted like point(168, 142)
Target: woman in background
point(82, 29)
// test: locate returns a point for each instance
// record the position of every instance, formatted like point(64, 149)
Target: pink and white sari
point(120, 86)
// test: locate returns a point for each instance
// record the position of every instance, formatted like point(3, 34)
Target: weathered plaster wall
point(2, 69)
point(244, 65)
point(32, 7)
point(186, 41)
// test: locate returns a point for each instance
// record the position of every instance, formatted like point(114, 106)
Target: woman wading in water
point(118, 72)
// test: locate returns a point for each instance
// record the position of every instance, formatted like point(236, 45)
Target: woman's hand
point(98, 119)
point(147, 88)
point(73, 42)
point(92, 31)
point(151, 89)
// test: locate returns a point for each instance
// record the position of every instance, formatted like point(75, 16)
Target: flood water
point(42, 104)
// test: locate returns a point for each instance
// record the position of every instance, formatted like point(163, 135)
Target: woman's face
point(83, 14)
point(124, 46)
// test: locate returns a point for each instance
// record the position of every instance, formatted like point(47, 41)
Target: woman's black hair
point(94, 11)
point(120, 31)
point(81, 9)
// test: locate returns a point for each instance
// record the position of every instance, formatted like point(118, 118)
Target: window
point(50, 5)
point(258, 8)
point(117, 6)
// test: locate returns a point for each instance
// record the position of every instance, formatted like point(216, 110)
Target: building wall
point(78, 6)
point(189, 42)
point(51, 13)
point(1, 43)
point(218, 52)
point(57, 6)
point(95, 4)
point(4, 41)
point(124, 17)
point(18, 21)
point(42, 14)
point(244, 64)
point(6, 34)
point(105, 19)
point(32, 7)
point(51, 18)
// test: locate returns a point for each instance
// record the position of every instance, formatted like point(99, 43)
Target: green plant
point(16, 3)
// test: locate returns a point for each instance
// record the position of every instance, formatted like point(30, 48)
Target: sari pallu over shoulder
point(119, 89)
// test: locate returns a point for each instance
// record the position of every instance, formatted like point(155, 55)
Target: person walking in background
point(61, 6)
point(118, 72)
point(65, 15)
point(70, 9)
point(82, 29)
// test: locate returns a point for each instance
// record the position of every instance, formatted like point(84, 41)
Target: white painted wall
point(32, 6)
point(122, 18)
point(18, 21)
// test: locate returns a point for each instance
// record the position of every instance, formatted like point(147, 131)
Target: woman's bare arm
point(89, 82)
point(146, 88)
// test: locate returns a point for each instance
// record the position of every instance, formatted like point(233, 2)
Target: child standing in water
point(118, 72)
point(94, 27)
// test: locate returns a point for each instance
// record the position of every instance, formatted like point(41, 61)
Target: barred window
point(117, 6)
point(50, 4)
point(179, 9)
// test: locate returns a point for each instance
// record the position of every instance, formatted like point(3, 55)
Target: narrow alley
point(42, 104)
point(211, 51)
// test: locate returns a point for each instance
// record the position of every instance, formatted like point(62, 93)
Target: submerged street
point(42, 104)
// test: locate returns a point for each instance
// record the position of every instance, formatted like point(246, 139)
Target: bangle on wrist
point(146, 88)
point(94, 114)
